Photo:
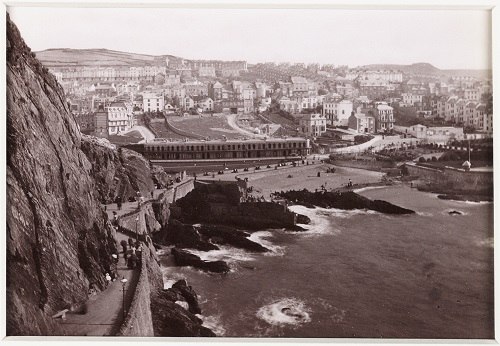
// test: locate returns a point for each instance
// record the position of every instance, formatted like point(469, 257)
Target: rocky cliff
point(117, 172)
point(59, 241)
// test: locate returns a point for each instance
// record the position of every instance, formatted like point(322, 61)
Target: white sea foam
point(182, 303)
point(225, 253)
point(368, 188)
point(213, 323)
point(262, 238)
point(475, 202)
point(170, 276)
point(424, 213)
point(286, 311)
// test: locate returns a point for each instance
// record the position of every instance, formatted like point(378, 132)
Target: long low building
point(224, 149)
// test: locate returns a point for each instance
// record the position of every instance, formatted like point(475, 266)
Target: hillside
point(429, 70)
point(94, 57)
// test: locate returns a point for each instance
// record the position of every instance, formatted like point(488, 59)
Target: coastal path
point(105, 310)
point(105, 314)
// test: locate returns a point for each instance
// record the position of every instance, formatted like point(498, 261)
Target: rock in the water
point(231, 236)
point(342, 200)
point(302, 219)
point(184, 236)
point(170, 319)
point(188, 294)
point(185, 258)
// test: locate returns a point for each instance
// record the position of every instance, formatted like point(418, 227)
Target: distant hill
point(428, 70)
point(94, 57)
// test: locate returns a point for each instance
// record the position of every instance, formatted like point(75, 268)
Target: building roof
point(117, 104)
point(297, 80)
point(384, 107)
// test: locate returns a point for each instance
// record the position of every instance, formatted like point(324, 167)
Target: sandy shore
point(266, 181)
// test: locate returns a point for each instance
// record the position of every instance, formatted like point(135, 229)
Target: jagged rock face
point(119, 172)
point(59, 241)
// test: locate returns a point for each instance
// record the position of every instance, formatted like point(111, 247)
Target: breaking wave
point(225, 253)
point(287, 311)
point(213, 323)
point(262, 238)
point(170, 276)
point(368, 188)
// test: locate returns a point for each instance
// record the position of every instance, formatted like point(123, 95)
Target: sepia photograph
point(221, 171)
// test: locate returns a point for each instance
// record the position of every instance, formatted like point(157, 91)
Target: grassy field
point(159, 128)
point(215, 126)
point(131, 137)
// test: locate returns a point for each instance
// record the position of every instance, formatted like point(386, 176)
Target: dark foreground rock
point(170, 319)
point(342, 200)
point(185, 258)
point(231, 236)
point(58, 239)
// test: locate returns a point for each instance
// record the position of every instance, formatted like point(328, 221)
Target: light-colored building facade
point(312, 124)
point(338, 113)
point(361, 122)
point(153, 102)
point(384, 118)
point(120, 117)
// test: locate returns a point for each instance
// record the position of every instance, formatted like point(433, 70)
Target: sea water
point(358, 274)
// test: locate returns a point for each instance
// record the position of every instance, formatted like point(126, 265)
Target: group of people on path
point(132, 251)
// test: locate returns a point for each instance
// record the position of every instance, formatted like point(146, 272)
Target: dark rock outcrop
point(185, 258)
point(183, 236)
point(305, 220)
point(188, 294)
point(342, 200)
point(59, 241)
point(222, 205)
point(231, 236)
point(170, 319)
point(117, 172)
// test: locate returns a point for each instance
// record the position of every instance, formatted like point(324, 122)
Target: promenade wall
point(138, 321)
point(454, 178)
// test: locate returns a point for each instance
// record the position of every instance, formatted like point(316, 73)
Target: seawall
point(453, 178)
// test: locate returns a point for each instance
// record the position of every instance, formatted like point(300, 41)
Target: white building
point(337, 113)
point(410, 99)
point(120, 117)
point(153, 102)
point(313, 124)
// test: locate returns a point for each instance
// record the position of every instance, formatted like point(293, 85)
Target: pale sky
point(448, 39)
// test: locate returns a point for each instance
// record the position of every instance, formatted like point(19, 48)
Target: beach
point(268, 180)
